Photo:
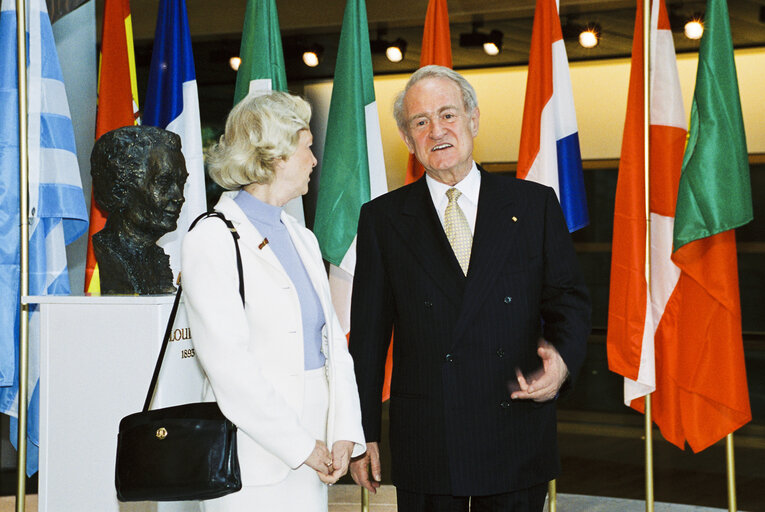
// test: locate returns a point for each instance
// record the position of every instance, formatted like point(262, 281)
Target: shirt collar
point(469, 186)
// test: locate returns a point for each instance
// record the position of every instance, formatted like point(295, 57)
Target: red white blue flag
point(549, 148)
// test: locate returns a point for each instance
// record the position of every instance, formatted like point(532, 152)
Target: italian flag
point(353, 170)
point(117, 104)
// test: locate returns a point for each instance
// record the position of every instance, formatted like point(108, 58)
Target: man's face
point(439, 131)
point(157, 199)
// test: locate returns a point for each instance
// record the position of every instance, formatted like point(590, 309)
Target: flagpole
point(21, 464)
point(649, 500)
point(552, 495)
point(364, 500)
point(731, 472)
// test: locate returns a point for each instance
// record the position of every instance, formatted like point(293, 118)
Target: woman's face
point(294, 173)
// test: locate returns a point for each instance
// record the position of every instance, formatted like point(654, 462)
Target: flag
point(634, 312)
point(549, 148)
point(117, 103)
point(701, 388)
point(664, 337)
point(353, 169)
point(172, 103)
point(436, 49)
point(60, 8)
point(57, 209)
point(262, 67)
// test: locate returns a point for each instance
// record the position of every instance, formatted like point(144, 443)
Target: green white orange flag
point(262, 65)
point(352, 170)
point(701, 387)
point(659, 337)
point(436, 49)
point(117, 104)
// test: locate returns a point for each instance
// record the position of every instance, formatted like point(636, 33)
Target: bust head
point(138, 178)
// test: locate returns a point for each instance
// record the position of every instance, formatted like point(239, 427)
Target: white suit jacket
point(253, 355)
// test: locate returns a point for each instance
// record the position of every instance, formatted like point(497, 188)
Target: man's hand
point(544, 384)
point(361, 466)
point(341, 456)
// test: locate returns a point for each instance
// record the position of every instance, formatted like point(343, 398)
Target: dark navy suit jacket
point(458, 340)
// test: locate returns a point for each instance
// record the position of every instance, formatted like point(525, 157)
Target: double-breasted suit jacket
point(458, 339)
point(253, 355)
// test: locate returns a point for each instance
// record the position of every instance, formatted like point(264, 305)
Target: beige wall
point(600, 96)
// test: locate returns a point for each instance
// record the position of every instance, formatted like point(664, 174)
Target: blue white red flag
point(172, 103)
point(549, 148)
point(57, 211)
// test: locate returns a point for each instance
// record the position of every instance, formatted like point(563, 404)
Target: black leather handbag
point(186, 452)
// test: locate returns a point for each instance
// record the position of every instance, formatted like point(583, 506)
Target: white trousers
point(301, 491)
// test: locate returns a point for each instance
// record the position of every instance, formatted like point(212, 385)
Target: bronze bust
point(138, 178)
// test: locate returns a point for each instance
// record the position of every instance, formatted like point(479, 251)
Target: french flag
point(172, 103)
point(549, 149)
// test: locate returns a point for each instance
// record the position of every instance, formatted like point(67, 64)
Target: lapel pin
point(515, 219)
point(263, 243)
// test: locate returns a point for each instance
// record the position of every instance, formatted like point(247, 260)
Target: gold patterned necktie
point(457, 229)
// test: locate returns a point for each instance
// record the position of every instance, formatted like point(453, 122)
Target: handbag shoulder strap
point(174, 310)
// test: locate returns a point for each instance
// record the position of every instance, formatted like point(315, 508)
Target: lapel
point(420, 228)
point(249, 236)
point(494, 236)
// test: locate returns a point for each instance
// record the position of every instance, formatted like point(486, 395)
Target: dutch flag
point(172, 103)
point(549, 148)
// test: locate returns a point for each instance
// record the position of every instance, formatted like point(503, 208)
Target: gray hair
point(469, 98)
point(260, 131)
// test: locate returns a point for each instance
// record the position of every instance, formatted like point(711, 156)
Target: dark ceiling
point(216, 27)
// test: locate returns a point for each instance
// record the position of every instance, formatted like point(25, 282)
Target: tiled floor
point(347, 498)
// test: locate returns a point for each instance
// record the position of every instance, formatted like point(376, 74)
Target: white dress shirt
point(470, 186)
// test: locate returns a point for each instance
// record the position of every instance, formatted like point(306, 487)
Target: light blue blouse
point(267, 219)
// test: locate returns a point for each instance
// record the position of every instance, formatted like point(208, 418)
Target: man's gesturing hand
point(361, 466)
point(544, 384)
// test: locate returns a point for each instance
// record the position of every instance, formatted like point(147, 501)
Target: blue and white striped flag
point(172, 103)
point(57, 210)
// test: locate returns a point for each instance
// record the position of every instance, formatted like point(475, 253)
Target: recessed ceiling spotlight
point(590, 36)
point(694, 28)
point(396, 50)
point(312, 55)
point(235, 62)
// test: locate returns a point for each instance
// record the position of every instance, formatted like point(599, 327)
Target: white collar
point(469, 186)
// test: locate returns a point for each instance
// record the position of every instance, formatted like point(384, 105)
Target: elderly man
point(476, 276)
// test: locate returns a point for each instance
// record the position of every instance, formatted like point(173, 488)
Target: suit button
point(449, 358)
point(508, 299)
point(504, 404)
point(500, 352)
point(428, 304)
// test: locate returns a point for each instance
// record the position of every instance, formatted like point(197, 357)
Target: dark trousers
point(524, 500)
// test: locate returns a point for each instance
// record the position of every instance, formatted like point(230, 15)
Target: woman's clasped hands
point(330, 466)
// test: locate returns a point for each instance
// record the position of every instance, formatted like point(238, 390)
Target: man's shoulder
point(389, 200)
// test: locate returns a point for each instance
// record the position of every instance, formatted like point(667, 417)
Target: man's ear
point(407, 140)
point(474, 119)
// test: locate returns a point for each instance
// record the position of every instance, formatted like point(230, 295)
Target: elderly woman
point(279, 366)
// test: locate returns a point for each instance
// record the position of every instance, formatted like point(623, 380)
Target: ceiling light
point(694, 28)
point(312, 55)
point(396, 50)
point(491, 43)
point(235, 62)
point(590, 36)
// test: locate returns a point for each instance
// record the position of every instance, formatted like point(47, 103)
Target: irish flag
point(117, 103)
point(352, 170)
point(549, 147)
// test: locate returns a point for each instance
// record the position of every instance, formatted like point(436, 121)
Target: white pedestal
point(97, 355)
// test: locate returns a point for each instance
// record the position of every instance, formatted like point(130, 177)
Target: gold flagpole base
point(552, 496)
point(730, 465)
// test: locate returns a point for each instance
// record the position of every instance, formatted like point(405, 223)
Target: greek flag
point(172, 103)
point(57, 210)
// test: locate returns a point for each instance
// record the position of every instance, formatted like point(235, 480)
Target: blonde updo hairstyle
point(260, 131)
